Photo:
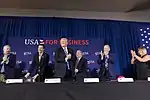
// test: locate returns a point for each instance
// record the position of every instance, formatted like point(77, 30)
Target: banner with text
point(25, 48)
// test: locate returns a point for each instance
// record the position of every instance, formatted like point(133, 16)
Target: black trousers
point(2, 77)
point(68, 75)
point(104, 74)
point(79, 77)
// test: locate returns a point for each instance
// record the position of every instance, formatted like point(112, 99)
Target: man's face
point(7, 50)
point(106, 48)
point(78, 54)
point(63, 42)
point(40, 49)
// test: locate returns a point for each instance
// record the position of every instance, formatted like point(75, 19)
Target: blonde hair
point(143, 49)
point(64, 39)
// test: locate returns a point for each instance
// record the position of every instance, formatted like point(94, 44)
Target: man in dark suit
point(8, 63)
point(64, 58)
point(106, 62)
point(81, 67)
point(39, 63)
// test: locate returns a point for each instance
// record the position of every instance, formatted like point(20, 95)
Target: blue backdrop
point(25, 48)
point(122, 36)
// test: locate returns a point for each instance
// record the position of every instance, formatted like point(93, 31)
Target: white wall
point(143, 16)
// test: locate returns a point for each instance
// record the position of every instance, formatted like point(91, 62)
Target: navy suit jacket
point(111, 62)
point(60, 64)
point(82, 65)
point(10, 67)
point(60, 56)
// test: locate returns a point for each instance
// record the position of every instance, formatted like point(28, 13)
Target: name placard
point(53, 80)
point(148, 79)
point(91, 80)
point(8, 81)
point(123, 80)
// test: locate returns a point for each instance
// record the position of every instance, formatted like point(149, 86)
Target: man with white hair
point(81, 67)
point(7, 63)
point(64, 58)
point(106, 62)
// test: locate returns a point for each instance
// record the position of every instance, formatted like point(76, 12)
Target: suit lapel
point(68, 50)
point(62, 50)
point(79, 63)
point(42, 59)
point(37, 58)
point(9, 55)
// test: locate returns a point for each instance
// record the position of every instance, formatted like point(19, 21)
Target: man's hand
point(76, 70)
point(66, 59)
point(34, 77)
point(69, 56)
point(107, 56)
point(97, 70)
point(27, 75)
point(4, 59)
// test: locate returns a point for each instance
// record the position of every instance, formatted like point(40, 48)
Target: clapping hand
point(4, 59)
point(102, 55)
point(69, 56)
point(133, 53)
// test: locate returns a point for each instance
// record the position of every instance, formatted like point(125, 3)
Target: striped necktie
point(65, 50)
point(106, 62)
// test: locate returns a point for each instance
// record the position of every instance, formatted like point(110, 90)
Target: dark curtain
point(121, 36)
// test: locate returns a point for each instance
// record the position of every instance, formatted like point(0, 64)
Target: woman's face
point(140, 52)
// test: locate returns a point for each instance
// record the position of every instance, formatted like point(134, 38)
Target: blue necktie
point(65, 50)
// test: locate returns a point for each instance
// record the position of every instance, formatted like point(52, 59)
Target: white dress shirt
point(40, 56)
point(79, 58)
point(77, 61)
point(65, 49)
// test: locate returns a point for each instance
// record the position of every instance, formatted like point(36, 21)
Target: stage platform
point(139, 90)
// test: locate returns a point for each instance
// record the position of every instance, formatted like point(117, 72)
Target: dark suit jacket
point(10, 67)
point(39, 67)
point(60, 56)
point(111, 62)
point(82, 65)
point(60, 64)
